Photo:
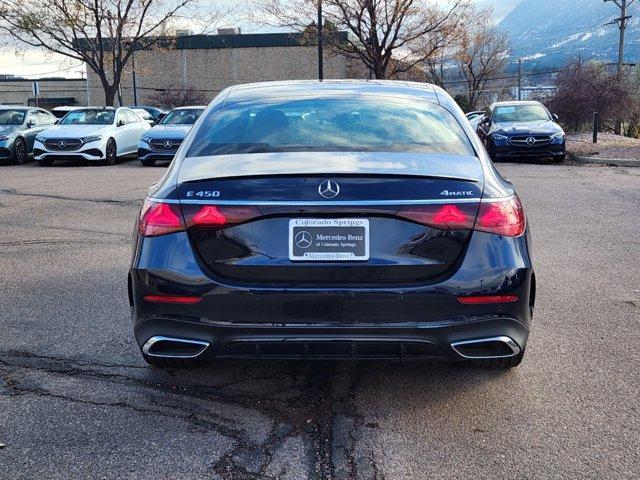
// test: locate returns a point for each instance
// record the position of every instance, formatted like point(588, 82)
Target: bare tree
point(587, 87)
point(176, 96)
point(388, 36)
point(481, 54)
point(101, 33)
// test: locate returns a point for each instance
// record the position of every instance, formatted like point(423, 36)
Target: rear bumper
point(382, 341)
point(412, 321)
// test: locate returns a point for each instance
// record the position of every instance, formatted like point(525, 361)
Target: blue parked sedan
point(163, 140)
point(18, 128)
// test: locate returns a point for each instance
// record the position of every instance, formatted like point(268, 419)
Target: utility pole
point(133, 75)
point(320, 41)
point(520, 79)
point(622, 24)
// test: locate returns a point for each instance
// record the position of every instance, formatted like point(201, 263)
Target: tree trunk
point(109, 95)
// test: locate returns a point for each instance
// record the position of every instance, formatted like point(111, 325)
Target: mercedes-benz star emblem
point(167, 144)
point(62, 144)
point(530, 140)
point(329, 189)
point(303, 239)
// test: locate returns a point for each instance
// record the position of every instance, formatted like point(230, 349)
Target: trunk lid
point(386, 192)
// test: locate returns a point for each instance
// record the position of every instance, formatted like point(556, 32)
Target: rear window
point(331, 124)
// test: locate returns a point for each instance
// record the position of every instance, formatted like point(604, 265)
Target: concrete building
point(53, 91)
point(210, 63)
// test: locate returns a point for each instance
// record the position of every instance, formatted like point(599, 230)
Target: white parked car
point(95, 134)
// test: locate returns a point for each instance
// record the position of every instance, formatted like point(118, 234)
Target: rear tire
point(169, 362)
point(46, 162)
point(150, 162)
point(499, 363)
point(19, 151)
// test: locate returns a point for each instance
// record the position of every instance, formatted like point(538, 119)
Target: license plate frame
point(324, 242)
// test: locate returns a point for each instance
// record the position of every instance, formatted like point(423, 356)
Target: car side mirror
point(555, 117)
point(31, 123)
point(119, 123)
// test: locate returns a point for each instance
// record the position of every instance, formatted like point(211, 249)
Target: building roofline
point(241, 40)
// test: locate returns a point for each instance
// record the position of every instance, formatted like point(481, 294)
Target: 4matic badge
point(456, 193)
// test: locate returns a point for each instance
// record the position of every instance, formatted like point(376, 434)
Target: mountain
point(552, 32)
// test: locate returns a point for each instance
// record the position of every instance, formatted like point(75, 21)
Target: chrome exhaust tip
point(491, 347)
point(171, 347)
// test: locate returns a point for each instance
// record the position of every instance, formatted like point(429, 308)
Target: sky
point(37, 63)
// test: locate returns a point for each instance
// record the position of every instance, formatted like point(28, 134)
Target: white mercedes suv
point(95, 134)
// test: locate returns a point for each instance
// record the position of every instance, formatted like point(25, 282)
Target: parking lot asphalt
point(77, 400)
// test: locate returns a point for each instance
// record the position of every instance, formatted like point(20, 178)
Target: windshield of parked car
point(520, 113)
point(365, 123)
point(185, 116)
point(12, 117)
point(89, 117)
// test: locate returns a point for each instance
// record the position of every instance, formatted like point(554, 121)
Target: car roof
point(190, 107)
point(515, 102)
point(296, 88)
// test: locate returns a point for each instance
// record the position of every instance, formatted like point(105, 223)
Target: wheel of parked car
point(45, 162)
point(148, 162)
point(19, 151)
point(111, 153)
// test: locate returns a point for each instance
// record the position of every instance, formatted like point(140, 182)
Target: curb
point(613, 162)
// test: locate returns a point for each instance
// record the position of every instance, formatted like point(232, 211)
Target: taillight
point(502, 217)
point(218, 216)
point(445, 217)
point(159, 219)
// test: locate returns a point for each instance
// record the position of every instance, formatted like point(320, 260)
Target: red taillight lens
point(502, 218)
point(445, 217)
point(209, 215)
point(159, 219)
point(218, 216)
point(487, 299)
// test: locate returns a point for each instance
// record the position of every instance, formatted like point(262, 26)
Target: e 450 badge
point(203, 193)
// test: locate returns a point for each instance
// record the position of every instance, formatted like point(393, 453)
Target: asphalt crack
point(315, 407)
point(12, 192)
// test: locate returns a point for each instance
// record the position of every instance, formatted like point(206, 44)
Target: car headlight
point(145, 139)
point(40, 139)
point(4, 137)
point(500, 138)
point(92, 138)
point(558, 136)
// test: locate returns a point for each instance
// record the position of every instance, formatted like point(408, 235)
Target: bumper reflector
point(485, 299)
point(182, 299)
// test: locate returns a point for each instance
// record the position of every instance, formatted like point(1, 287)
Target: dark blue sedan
point(336, 219)
point(162, 142)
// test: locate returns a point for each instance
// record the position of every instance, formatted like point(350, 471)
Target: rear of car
point(333, 220)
